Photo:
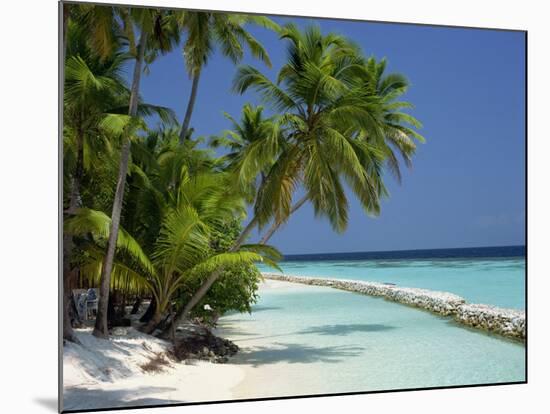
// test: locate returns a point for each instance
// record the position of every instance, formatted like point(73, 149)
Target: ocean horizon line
point(517, 250)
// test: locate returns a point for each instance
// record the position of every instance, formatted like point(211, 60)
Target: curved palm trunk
point(205, 287)
point(150, 311)
point(275, 226)
point(190, 106)
point(101, 328)
point(153, 323)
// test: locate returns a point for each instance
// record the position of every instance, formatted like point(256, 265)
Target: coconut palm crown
point(323, 106)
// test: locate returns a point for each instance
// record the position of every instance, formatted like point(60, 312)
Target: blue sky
point(467, 186)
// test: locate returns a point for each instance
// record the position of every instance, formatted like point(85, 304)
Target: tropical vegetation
point(151, 213)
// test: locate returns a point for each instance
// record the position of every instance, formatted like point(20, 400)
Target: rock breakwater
point(505, 322)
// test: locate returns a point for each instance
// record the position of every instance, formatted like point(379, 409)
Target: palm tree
point(204, 31)
point(149, 23)
point(91, 87)
point(252, 144)
point(70, 13)
point(95, 97)
point(163, 258)
point(183, 248)
point(397, 134)
point(323, 106)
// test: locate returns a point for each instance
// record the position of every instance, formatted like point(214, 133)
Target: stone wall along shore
point(505, 322)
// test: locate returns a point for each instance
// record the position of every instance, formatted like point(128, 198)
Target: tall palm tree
point(397, 128)
point(323, 106)
point(95, 96)
point(205, 31)
point(71, 14)
point(149, 24)
point(92, 86)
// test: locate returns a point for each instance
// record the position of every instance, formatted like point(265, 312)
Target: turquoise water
point(499, 281)
point(304, 340)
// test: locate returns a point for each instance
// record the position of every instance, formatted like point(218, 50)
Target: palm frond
point(87, 221)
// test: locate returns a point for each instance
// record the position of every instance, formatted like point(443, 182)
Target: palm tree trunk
point(205, 287)
point(190, 105)
point(68, 333)
point(101, 329)
point(172, 326)
point(74, 199)
point(153, 323)
point(149, 312)
point(68, 244)
point(275, 226)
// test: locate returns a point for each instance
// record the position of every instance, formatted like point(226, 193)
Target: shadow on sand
point(338, 330)
point(346, 329)
point(296, 353)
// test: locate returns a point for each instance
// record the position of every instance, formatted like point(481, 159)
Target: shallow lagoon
point(314, 340)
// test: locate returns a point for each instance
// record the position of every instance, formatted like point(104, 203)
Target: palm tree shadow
point(337, 330)
point(296, 353)
point(346, 329)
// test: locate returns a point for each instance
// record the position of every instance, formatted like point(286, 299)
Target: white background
point(28, 232)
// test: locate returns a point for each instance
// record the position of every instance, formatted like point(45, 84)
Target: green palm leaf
point(87, 221)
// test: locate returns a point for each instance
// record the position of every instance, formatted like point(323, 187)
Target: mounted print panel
point(261, 207)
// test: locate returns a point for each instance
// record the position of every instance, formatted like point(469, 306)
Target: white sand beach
point(102, 373)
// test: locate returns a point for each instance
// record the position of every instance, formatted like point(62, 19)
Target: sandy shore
point(300, 340)
point(99, 374)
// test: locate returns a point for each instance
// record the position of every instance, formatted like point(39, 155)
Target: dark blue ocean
point(455, 253)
